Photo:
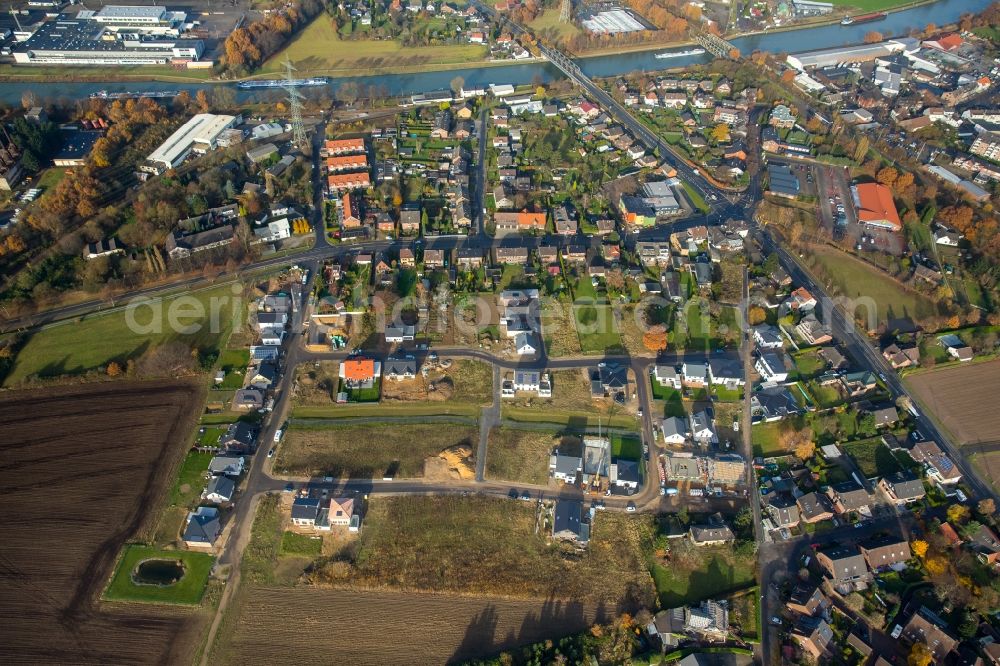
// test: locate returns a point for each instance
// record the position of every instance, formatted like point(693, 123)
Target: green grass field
point(549, 20)
point(188, 590)
point(627, 447)
point(190, 481)
point(872, 456)
point(857, 280)
point(77, 346)
point(318, 49)
point(567, 418)
point(765, 438)
point(695, 198)
point(596, 328)
point(293, 543)
point(707, 573)
point(521, 455)
point(334, 411)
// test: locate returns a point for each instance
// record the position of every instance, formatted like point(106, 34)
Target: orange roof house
point(348, 181)
point(948, 42)
point(350, 218)
point(357, 369)
point(527, 220)
point(876, 207)
point(345, 162)
point(344, 146)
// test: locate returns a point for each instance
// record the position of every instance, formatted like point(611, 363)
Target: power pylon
point(566, 11)
point(294, 105)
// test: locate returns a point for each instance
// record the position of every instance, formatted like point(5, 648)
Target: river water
point(791, 41)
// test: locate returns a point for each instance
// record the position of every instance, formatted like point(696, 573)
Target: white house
point(225, 466)
point(220, 490)
point(674, 429)
point(773, 366)
point(695, 373)
point(625, 474)
point(524, 345)
point(667, 375)
point(726, 372)
point(767, 337)
point(703, 429)
point(399, 333)
point(945, 237)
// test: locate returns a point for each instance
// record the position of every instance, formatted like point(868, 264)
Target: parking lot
point(840, 219)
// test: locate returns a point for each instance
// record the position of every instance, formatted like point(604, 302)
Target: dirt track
point(957, 396)
point(81, 472)
point(318, 626)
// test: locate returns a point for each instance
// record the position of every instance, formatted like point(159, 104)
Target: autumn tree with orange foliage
point(655, 339)
point(873, 36)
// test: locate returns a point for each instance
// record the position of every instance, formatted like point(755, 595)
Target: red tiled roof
point(359, 369)
point(876, 205)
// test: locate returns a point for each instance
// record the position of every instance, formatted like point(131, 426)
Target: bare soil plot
point(571, 394)
point(523, 455)
point(958, 397)
point(365, 450)
point(317, 385)
point(559, 328)
point(308, 625)
point(84, 469)
point(469, 382)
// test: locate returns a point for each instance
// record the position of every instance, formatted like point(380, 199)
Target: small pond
point(158, 572)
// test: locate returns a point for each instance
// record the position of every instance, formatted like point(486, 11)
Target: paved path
point(490, 419)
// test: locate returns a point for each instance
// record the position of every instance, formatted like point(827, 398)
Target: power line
point(294, 105)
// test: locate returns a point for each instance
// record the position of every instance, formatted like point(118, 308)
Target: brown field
point(84, 469)
point(469, 382)
point(955, 396)
point(365, 450)
point(523, 455)
point(310, 626)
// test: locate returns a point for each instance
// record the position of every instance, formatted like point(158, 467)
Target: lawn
point(628, 447)
point(596, 328)
point(335, 411)
point(210, 436)
point(50, 178)
point(234, 363)
point(695, 198)
point(370, 394)
point(318, 49)
point(574, 421)
point(808, 363)
point(723, 394)
point(855, 279)
point(872, 457)
point(190, 481)
point(80, 345)
point(766, 438)
point(188, 590)
point(367, 450)
point(523, 455)
point(549, 20)
point(293, 543)
point(694, 573)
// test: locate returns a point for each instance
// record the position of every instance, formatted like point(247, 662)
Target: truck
point(696, 492)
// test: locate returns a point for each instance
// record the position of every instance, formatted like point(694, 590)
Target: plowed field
point(82, 469)
point(959, 398)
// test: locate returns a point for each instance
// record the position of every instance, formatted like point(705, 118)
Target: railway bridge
point(717, 46)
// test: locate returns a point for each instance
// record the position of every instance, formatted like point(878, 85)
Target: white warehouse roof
point(201, 128)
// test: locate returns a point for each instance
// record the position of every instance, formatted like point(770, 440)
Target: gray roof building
point(570, 521)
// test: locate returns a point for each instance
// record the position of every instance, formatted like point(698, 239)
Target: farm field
point(523, 455)
point(853, 278)
point(354, 624)
point(437, 544)
point(954, 395)
point(56, 563)
point(75, 347)
point(318, 49)
point(365, 450)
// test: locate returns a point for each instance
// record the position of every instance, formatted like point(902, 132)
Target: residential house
point(813, 635)
point(407, 258)
point(624, 474)
point(808, 601)
point(711, 535)
point(844, 564)
point(773, 366)
point(226, 465)
point(608, 380)
point(766, 336)
point(360, 372)
point(773, 403)
point(667, 375)
point(902, 488)
point(240, 437)
point(858, 383)
point(250, 400)
point(263, 377)
point(813, 331)
point(848, 496)
point(814, 508)
point(305, 511)
point(694, 374)
point(502, 198)
point(885, 552)
point(202, 528)
point(801, 300)
point(434, 258)
point(399, 368)
point(510, 255)
point(899, 357)
point(395, 333)
point(675, 430)
point(783, 510)
point(564, 222)
point(702, 428)
point(409, 219)
point(565, 468)
point(782, 117)
point(985, 545)
point(220, 490)
point(885, 415)
point(524, 221)
point(927, 628)
point(726, 372)
point(341, 511)
point(570, 522)
point(525, 345)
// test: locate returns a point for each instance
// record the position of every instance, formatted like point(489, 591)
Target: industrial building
point(613, 22)
point(782, 181)
point(199, 134)
point(844, 54)
point(75, 41)
point(875, 206)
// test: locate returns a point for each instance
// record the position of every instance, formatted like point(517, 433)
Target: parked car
point(270, 454)
point(630, 507)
